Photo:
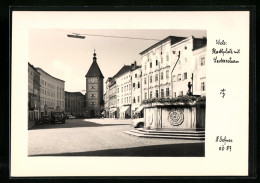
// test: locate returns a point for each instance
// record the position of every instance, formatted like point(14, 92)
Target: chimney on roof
point(135, 64)
point(132, 66)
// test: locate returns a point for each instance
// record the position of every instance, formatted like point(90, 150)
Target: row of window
point(167, 93)
point(157, 77)
point(138, 99)
point(49, 85)
point(52, 103)
point(74, 108)
point(156, 62)
point(138, 85)
point(126, 77)
point(125, 88)
point(124, 100)
point(202, 61)
point(203, 88)
point(51, 94)
point(178, 77)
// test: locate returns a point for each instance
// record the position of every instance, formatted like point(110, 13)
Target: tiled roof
point(123, 70)
point(173, 39)
point(94, 71)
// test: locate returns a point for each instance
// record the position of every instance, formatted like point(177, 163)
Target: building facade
point(52, 94)
point(106, 107)
point(106, 98)
point(169, 67)
point(94, 90)
point(112, 95)
point(199, 84)
point(157, 63)
point(75, 104)
point(174, 81)
point(33, 95)
point(136, 75)
point(188, 68)
point(123, 83)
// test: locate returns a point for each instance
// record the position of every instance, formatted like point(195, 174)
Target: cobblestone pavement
point(103, 137)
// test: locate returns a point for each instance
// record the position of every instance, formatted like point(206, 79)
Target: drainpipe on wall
point(179, 55)
point(131, 96)
point(148, 80)
point(192, 83)
point(159, 75)
point(141, 76)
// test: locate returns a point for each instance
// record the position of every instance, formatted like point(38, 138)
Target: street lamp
point(74, 35)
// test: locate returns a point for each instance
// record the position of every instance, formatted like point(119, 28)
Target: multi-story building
point(106, 106)
point(33, 95)
point(189, 61)
point(94, 90)
point(136, 75)
point(199, 79)
point(106, 98)
point(157, 62)
point(112, 95)
point(124, 99)
point(168, 66)
point(75, 104)
point(52, 95)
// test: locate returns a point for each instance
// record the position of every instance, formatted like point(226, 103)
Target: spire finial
point(94, 55)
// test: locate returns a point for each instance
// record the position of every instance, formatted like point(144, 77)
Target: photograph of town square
point(109, 92)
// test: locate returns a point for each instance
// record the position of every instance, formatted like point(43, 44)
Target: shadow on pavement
point(72, 124)
point(169, 150)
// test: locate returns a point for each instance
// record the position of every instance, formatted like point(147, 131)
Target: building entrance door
point(92, 113)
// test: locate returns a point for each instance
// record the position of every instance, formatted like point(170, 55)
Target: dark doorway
point(92, 113)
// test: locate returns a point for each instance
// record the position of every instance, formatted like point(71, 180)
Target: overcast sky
point(69, 59)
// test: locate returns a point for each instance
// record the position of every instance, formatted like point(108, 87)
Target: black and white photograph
point(129, 93)
point(117, 93)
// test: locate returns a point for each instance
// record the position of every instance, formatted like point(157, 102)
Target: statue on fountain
point(189, 87)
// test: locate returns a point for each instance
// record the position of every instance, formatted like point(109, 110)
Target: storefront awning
point(124, 108)
point(113, 110)
point(139, 109)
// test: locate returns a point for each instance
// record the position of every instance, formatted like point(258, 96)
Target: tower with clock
point(94, 90)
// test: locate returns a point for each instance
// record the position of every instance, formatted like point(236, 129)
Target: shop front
point(113, 112)
point(125, 112)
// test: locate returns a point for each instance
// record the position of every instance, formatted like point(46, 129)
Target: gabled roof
point(123, 70)
point(173, 39)
point(94, 71)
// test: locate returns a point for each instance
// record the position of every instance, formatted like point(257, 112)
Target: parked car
point(45, 119)
point(70, 116)
point(138, 123)
point(57, 117)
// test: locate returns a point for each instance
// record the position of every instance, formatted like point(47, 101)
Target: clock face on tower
point(92, 80)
